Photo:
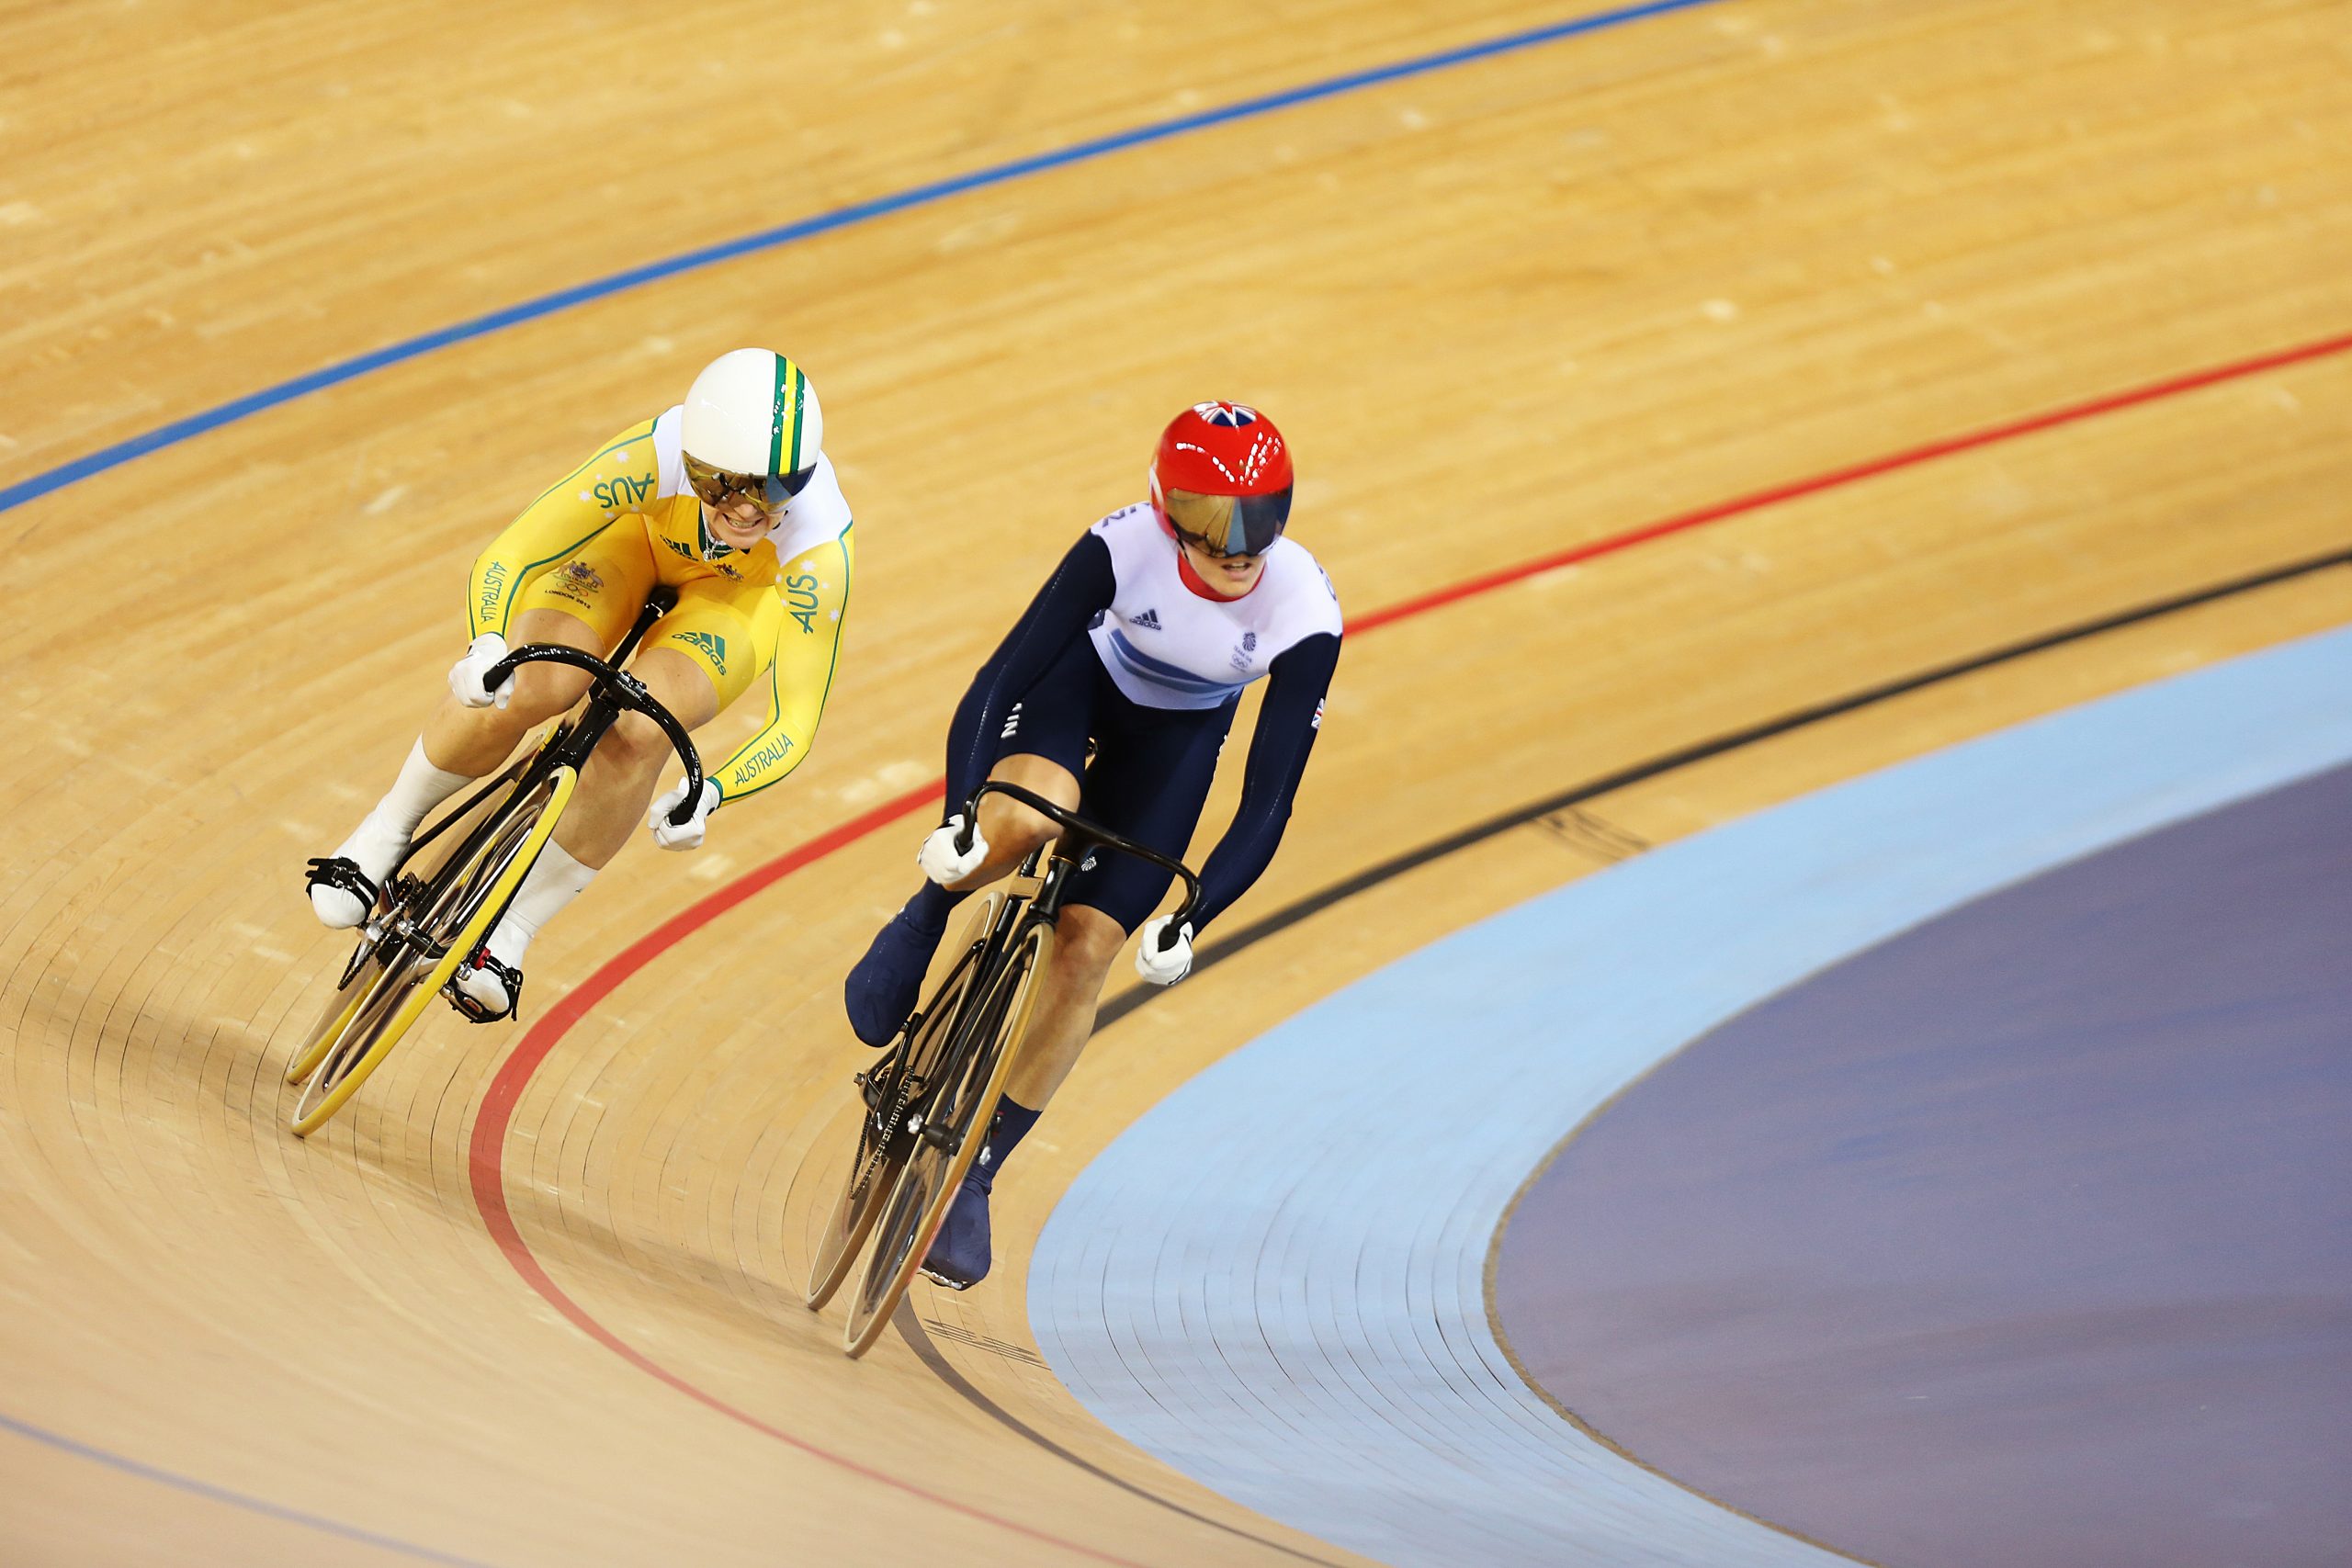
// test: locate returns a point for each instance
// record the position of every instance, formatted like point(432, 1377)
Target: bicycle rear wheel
point(889, 1090)
point(956, 1112)
point(461, 902)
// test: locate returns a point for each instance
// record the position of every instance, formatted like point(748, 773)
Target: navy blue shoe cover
point(883, 986)
point(960, 1253)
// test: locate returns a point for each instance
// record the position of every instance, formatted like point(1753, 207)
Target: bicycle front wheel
point(381, 952)
point(954, 1114)
point(360, 975)
point(461, 903)
point(890, 1092)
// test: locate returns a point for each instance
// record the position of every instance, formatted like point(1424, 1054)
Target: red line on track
point(1951, 447)
point(507, 1087)
point(513, 1074)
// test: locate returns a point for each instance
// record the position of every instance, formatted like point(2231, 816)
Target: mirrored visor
point(1229, 525)
point(769, 492)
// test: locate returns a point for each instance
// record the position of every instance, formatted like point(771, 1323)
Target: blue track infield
point(1274, 1281)
point(351, 369)
point(2022, 1239)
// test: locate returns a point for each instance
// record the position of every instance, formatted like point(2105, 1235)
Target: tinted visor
point(718, 487)
point(1228, 524)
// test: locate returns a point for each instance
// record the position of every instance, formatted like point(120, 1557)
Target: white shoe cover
point(375, 851)
point(483, 985)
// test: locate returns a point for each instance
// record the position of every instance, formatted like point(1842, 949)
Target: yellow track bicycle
point(433, 911)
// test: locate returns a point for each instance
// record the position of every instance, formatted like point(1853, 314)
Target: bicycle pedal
point(943, 1279)
point(472, 1011)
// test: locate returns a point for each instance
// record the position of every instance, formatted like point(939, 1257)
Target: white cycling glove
point(1167, 965)
point(689, 837)
point(465, 675)
point(943, 861)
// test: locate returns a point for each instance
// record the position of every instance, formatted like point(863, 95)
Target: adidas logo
point(712, 643)
point(1146, 622)
point(1011, 724)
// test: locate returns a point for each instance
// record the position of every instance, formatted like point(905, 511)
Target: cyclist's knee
point(635, 744)
point(1011, 829)
point(1086, 940)
point(544, 690)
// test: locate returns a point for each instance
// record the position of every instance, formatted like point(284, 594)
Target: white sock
point(554, 881)
point(420, 788)
point(377, 845)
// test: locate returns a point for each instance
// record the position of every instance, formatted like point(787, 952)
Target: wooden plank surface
point(1503, 309)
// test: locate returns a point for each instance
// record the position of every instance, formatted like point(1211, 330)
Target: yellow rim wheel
point(345, 1004)
point(518, 858)
point(340, 1011)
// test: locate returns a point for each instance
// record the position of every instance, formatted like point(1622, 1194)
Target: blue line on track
point(235, 1499)
point(186, 429)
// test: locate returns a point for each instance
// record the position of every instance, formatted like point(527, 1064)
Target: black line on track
point(910, 1327)
point(1315, 903)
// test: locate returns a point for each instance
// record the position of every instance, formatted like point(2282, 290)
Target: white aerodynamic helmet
point(753, 429)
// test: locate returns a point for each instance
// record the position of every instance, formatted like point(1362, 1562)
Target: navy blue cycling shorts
point(1149, 778)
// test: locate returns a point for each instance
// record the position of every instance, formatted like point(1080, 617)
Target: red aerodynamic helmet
point(1221, 479)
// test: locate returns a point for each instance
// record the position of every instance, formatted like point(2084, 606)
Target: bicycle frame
point(612, 692)
point(1041, 889)
point(425, 929)
point(928, 1101)
point(1045, 902)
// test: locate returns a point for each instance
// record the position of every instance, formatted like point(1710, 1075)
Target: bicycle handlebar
point(1072, 824)
point(622, 689)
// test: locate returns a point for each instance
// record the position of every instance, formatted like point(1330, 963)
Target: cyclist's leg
point(1148, 784)
point(474, 741)
point(717, 641)
point(1012, 829)
point(619, 782)
point(1043, 745)
point(690, 676)
point(586, 608)
point(587, 602)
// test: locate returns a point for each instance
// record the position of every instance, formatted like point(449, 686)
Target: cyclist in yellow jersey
point(729, 501)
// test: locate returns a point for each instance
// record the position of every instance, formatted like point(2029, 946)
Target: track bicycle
point(433, 911)
point(928, 1103)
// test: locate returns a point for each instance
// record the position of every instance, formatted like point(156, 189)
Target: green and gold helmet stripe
point(783, 428)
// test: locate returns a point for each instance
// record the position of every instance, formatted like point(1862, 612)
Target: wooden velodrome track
point(1678, 268)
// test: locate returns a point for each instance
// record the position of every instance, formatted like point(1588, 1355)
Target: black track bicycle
point(929, 1100)
point(432, 913)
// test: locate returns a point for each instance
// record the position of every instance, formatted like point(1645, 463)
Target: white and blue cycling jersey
point(1164, 644)
point(1169, 644)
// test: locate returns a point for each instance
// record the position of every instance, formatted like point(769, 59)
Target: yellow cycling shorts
point(728, 624)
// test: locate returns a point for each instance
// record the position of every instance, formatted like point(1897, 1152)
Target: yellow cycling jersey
point(594, 544)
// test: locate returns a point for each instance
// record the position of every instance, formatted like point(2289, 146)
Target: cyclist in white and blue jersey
point(1140, 644)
